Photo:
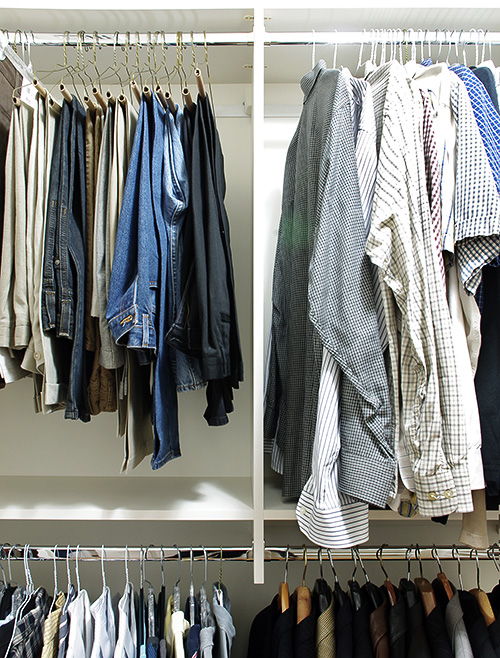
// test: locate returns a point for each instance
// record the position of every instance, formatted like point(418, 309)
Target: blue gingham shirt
point(477, 219)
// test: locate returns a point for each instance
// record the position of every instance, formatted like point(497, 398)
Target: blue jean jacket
point(139, 295)
point(131, 309)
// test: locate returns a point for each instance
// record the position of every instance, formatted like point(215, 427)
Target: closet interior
point(60, 481)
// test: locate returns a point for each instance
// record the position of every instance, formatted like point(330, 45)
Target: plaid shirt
point(27, 640)
point(323, 296)
point(402, 245)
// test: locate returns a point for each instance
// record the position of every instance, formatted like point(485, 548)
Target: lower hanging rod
point(238, 554)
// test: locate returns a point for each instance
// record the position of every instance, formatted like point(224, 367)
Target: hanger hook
point(313, 60)
point(191, 564)
point(141, 567)
point(356, 548)
point(378, 555)
point(68, 569)
point(491, 555)
point(179, 558)
point(8, 562)
point(77, 568)
point(1, 566)
point(455, 553)
point(205, 559)
point(320, 558)
point(127, 575)
point(474, 551)
point(287, 554)
point(161, 567)
point(103, 573)
point(27, 572)
point(332, 565)
point(355, 558)
point(408, 560)
point(220, 569)
point(435, 555)
point(361, 49)
point(305, 565)
point(419, 558)
point(56, 588)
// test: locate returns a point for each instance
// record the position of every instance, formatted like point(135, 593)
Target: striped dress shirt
point(401, 244)
point(326, 516)
point(64, 623)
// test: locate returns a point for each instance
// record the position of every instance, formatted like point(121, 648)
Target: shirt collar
point(309, 80)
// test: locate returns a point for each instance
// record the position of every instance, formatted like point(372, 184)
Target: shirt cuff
point(444, 492)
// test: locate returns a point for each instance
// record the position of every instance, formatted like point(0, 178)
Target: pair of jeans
point(187, 369)
point(138, 296)
point(63, 284)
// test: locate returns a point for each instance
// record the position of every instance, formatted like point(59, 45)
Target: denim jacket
point(131, 306)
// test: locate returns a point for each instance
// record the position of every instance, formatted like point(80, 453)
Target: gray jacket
point(323, 296)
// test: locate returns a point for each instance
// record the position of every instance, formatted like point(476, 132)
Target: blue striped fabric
point(64, 623)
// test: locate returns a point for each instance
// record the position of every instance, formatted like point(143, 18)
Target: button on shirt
point(400, 243)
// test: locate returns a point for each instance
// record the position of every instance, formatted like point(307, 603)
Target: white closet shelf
point(126, 498)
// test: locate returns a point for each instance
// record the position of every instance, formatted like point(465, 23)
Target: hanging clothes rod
point(235, 554)
point(355, 38)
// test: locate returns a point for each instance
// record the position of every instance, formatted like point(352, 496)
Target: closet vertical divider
point(258, 292)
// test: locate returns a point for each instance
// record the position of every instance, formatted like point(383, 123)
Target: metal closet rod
point(237, 554)
point(356, 38)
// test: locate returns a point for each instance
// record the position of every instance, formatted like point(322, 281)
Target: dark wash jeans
point(64, 256)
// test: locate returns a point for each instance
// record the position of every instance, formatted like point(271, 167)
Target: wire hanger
point(218, 592)
point(68, 571)
point(1, 566)
point(177, 591)
point(204, 609)
point(77, 570)
point(12, 582)
point(56, 588)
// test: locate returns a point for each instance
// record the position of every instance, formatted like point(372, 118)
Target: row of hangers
point(402, 44)
point(423, 585)
point(150, 77)
point(30, 587)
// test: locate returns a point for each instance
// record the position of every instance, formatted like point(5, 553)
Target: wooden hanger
point(481, 597)
point(441, 576)
point(425, 588)
point(391, 592)
point(303, 594)
point(283, 591)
